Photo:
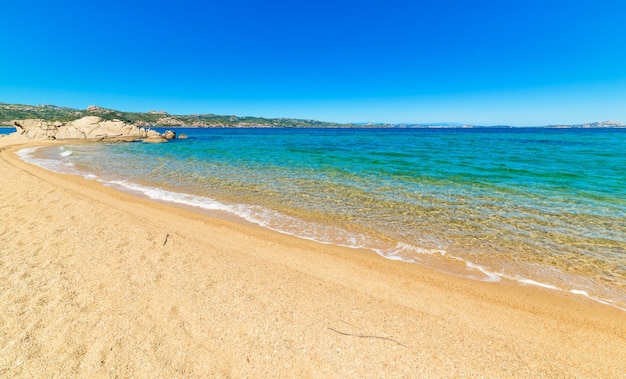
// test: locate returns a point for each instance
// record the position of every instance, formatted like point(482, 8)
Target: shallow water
point(541, 206)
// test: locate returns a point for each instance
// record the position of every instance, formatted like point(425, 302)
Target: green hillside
point(9, 112)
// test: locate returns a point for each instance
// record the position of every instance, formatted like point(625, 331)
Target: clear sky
point(528, 62)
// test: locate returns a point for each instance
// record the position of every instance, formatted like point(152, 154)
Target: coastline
point(97, 282)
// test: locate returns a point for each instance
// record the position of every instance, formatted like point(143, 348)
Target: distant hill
point(600, 124)
point(9, 112)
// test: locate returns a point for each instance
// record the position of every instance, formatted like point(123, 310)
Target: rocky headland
point(91, 128)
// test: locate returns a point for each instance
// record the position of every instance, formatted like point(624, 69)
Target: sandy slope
point(90, 288)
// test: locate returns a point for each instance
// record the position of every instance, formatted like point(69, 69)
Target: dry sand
point(89, 287)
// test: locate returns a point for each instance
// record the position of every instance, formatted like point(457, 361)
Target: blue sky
point(479, 62)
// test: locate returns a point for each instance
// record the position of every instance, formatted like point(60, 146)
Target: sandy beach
point(98, 283)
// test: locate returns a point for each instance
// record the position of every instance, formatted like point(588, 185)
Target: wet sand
point(98, 283)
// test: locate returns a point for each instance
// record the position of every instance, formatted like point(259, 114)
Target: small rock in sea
point(169, 134)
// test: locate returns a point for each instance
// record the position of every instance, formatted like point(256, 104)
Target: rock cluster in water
point(88, 128)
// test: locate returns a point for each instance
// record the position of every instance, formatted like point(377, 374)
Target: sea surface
point(543, 207)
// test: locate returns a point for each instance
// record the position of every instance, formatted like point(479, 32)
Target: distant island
point(600, 124)
point(53, 113)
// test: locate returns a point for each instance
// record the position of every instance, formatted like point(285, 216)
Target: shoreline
point(143, 288)
point(430, 258)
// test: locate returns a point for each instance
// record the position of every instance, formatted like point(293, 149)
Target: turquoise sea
point(540, 206)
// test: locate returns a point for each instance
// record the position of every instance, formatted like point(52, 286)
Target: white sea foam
point(572, 291)
point(597, 299)
point(26, 153)
point(419, 250)
point(405, 252)
point(56, 165)
point(491, 276)
point(66, 153)
point(535, 283)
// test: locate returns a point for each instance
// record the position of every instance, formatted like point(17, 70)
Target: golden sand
point(97, 283)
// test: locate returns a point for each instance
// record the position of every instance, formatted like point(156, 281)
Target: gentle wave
point(56, 165)
point(274, 220)
point(325, 234)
